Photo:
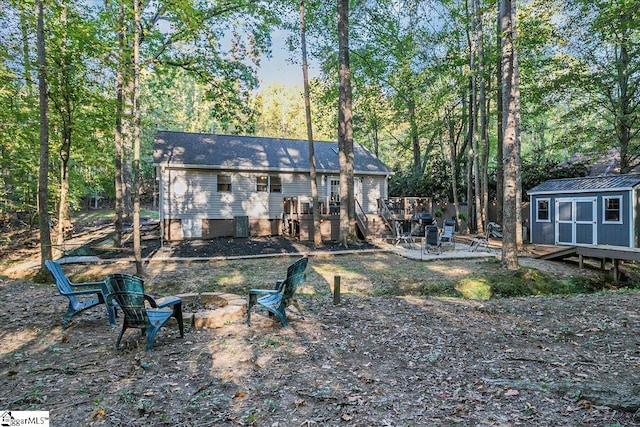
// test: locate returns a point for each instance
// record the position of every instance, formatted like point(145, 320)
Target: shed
point(586, 211)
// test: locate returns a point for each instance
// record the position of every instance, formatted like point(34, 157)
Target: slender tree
point(317, 236)
point(66, 113)
point(499, 148)
point(345, 128)
point(510, 122)
point(43, 171)
point(483, 102)
point(137, 250)
point(118, 135)
point(474, 59)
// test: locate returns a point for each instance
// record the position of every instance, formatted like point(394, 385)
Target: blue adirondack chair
point(127, 291)
point(276, 300)
point(81, 296)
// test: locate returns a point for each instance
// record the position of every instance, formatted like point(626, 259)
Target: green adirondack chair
point(278, 299)
point(127, 293)
point(81, 296)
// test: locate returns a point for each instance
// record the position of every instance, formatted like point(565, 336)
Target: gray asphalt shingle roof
point(211, 151)
point(587, 184)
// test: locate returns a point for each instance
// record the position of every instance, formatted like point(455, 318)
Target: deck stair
point(361, 220)
point(386, 212)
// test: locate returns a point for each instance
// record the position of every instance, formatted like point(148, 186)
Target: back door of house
point(576, 221)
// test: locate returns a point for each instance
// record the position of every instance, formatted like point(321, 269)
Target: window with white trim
point(262, 183)
point(267, 183)
point(612, 206)
point(542, 211)
point(275, 184)
point(334, 190)
point(224, 183)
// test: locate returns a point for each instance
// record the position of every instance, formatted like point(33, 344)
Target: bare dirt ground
point(385, 356)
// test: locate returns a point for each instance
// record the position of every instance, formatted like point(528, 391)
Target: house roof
point(587, 184)
point(212, 151)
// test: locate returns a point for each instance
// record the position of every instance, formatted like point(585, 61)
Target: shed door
point(576, 221)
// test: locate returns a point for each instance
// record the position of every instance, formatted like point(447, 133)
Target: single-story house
point(594, 210)
point(225, 185)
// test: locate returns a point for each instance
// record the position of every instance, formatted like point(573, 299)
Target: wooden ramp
point(556, 252)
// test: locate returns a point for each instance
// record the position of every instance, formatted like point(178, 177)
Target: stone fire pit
point(227, 308)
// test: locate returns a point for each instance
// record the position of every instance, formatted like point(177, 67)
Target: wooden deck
point(600, 252)
point(610, 252)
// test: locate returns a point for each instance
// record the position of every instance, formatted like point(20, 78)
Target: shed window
point(224, 183)
point(613, 209)
point(543, 211)
point(271, 184)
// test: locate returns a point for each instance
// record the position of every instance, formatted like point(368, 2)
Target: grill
point(423, 218)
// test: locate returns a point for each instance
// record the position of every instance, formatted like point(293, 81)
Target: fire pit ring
point(229, 308)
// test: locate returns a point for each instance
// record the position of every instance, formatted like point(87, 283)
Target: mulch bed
point(233, 247)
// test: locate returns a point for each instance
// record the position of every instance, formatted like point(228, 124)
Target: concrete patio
point(449, 251)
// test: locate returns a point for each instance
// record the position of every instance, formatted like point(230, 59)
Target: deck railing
point(397, 207)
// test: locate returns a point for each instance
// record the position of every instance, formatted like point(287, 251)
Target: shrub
point(522, 283)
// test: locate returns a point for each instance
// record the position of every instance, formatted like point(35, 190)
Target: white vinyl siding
point(189, 193)
point(372, 189)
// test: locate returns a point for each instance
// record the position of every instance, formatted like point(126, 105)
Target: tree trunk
point(415, 138)
point(24, 29)
point(345, 128)
point(376, 139)
point(516, 113)
point(317, 236)
point(509, 120)
point(483, 154)
point(118, 181)
point(43, 170)
point(453, 160)
point(127, 143)
point(137, 250)
point(64, 216)
point(474, 110)
point(499, 145)
point(471, 212)
point(128, 119)
point(625, 116)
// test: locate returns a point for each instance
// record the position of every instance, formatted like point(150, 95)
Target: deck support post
point(580, 261)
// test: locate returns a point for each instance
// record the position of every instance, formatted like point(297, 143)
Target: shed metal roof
point(587, 184)
point(232, 152)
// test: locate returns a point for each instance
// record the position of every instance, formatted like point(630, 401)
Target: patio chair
point(448, 230)
point(276, 300)
point(432, 240)
point(81, 296)
point(404, 236)
point(482, 241)
point(127, 291)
